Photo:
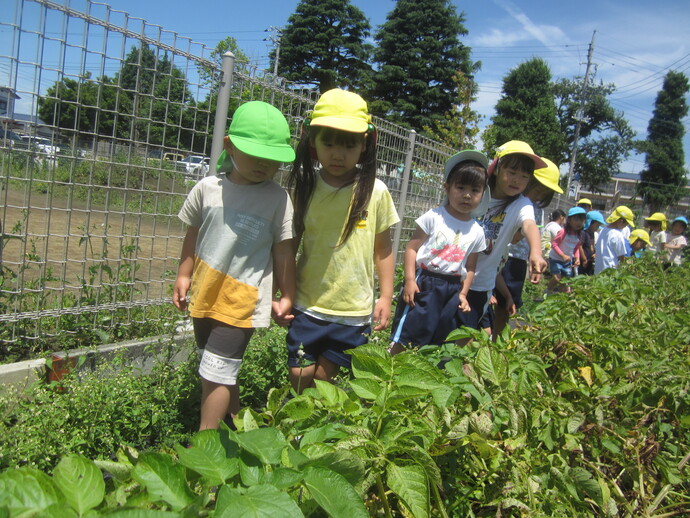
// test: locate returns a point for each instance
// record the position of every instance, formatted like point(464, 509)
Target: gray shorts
point(223, 346)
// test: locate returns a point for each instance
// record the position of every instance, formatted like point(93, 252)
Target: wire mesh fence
point(106, 122)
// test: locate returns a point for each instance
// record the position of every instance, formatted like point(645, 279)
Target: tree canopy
point(324, 44)
point(664, 176)
point(527, 111)
point(605, 137)
point(419, 52)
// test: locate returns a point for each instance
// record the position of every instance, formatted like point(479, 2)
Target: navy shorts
point(479, 304)
point(434, 315)
point(514, 273)
point(322, 338)
point(561, 268)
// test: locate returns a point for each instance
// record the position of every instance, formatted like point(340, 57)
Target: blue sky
point(637, 42)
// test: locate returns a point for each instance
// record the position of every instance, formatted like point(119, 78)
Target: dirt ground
point(65, 237)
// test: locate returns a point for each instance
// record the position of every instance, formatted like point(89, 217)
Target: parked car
point(173, 157)
point(9, 138)
point(194, 166)
point(41, 144)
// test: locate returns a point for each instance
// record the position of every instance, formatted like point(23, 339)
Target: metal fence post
point(222, 104)
point(403, 193)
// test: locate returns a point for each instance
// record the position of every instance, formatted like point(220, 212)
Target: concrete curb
point(20, 376)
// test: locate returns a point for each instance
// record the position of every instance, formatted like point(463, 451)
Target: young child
point(637, 243)
point(441, 256)
point(676, 241)
point(565, 248)
point(593, 221)
point(610, 246)
point(511, 279)
point(342, 217)
point(508, 212)
point(550, 230)
point(239, 232)
point(584, 203)
point(657, 231)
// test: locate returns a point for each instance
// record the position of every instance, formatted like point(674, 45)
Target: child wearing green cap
point(239, 234)
point(343, 216)
point(610, 247)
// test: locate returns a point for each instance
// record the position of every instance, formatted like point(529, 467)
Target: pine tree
point(323, 44)
point(419, 51)
point(664, 177)
point(527, 111)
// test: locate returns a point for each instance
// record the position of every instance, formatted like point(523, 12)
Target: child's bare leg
point(216, 402)
point(302, 377)
point(500, 320)
point(326, 370)
point(555, 280)
point(396, 348)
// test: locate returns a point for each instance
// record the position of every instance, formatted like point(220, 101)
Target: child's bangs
point(468, 173)
point(338, 137)
point(519, 162)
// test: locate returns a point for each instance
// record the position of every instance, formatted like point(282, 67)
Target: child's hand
point(537, 265)
point(281, 311)
point(180, 292)
point(566, 258)
point(510, 306)
point(409, 292)
point(464, 306)
point(576, 262)
point(492, 300)
point(382, 313)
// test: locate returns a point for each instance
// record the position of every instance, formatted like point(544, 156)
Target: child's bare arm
point(284, 275)
point(470, 266)
point(185, 269)
point(410, 265)
point(385, 268)
point(537, 265)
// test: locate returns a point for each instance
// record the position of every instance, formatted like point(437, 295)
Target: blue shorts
point(514, 273)
point(322, 338)
point(479, 304)
point(434, 315)
point(561, 268)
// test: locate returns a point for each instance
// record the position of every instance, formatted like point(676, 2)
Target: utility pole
point(274, 38)
point(580, 114)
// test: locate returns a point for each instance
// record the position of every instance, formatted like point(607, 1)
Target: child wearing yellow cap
point(239, 233)
point(638, 242)
point(610, 247)
point(343, 216)
point(656, 223)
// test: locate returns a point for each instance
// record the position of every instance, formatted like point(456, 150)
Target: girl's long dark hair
point(302, 179)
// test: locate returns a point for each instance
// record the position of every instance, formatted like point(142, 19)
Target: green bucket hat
point(259, 129)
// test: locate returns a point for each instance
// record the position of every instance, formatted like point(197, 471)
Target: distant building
point(7, 98)
point(622, 190)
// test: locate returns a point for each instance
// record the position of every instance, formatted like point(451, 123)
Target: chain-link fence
point(106, 121)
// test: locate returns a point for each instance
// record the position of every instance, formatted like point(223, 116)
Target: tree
point(605, 137)
point(324, 44)
point(419, 52)
point(527, 111)
point(460, 126)
point(664, 176)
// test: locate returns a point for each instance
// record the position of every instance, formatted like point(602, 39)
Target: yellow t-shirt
point(339, 280)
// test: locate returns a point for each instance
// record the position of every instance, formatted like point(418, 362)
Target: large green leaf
point(209, 458)
point(343, 462)
point(265, 443)
point(328, 432)
point(262, 501)
point(411, 485)
point(297, 408)
point(163, 479)
point(372, 362)
point(27, 491)
point(366, 388)
point(492, 365)
point(586, 484)
point(80, 481)
point(334, 493)
point(141, 513)
point(332, 395)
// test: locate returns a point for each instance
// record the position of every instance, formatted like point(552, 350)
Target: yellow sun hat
point(519, 147)
point(638, 233)
point(549, 176)
point(622, 212)
point(658, 216)
point(584, 201)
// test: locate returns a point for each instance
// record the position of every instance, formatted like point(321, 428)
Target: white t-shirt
point(500, 224)
point(449, 244)
point(609, 247)
point(675, 256)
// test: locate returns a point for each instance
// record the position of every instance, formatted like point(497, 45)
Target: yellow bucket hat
point(638, 233)
point(584, 201)
point(660, 217)
point(549, 176)
point(516, 146)
point(342, 110)
point(622, 212)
